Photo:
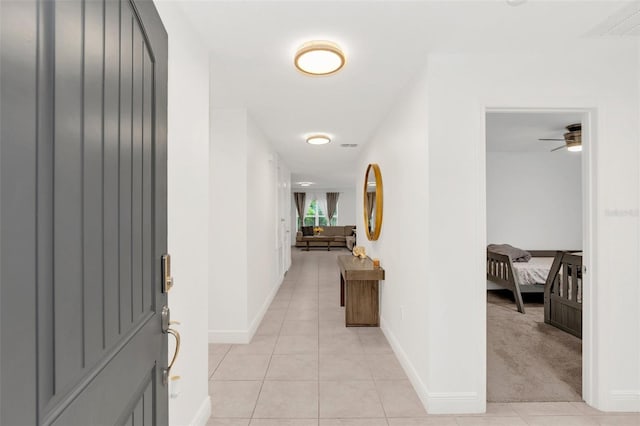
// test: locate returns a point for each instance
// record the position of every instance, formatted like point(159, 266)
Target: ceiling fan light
point(573, 138)
point(574, 144)
point(319, 57)
point(318, 139)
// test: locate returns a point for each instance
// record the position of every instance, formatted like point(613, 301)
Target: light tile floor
point(305, 368)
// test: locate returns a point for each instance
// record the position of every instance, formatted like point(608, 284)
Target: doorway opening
point(537, 228)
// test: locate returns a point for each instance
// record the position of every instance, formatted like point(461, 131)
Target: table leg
point(328, 245)
point(341, 290)
point(307, 245)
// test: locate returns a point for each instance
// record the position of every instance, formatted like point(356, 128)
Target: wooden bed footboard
point(500, 271)
point(563, 294)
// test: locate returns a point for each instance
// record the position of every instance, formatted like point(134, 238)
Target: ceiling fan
point(572, 139)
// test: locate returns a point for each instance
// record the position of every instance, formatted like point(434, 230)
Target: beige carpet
point(528, 360)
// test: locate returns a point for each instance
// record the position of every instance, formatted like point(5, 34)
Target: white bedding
point(535, 271)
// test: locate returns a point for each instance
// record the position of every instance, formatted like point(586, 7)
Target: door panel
point(110, 171)
point(93, 242)
point(115, 392)
point(142, 414)
point(147, 185)
point(18, 175)
point(67, 202)
point(85, 191)
point(125, 165)
point(136, 174)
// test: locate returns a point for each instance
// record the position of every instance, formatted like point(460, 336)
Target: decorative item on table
point(359, 251)
point(318, 230)
point(376, 263)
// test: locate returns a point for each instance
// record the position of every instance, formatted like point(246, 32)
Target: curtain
point(371, 200)
point(299, 198)
point(332, 204)
point(321, 202)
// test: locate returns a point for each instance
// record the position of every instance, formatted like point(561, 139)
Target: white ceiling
point(520, 131)
point(386, 42)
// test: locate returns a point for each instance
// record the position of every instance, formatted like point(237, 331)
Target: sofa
point(344, 236)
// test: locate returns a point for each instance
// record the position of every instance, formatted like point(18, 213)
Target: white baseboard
point(245, 336)
point(414, 378)
point(263, 310)
point(202, 415)
point(455, 403)
point(434, 402)
point(625, 400)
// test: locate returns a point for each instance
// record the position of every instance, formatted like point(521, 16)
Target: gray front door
point(82, 213)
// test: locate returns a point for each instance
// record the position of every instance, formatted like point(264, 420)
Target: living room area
point(324, 218)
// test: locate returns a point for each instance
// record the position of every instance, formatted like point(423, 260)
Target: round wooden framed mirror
point(373, 201)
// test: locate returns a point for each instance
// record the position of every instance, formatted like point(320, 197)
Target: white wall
point(286, 225)
point(400, 148)
point(246, 262)
point(603, 78)
point(346, 206)
point(534, 199)
point(262, 226)
point(228, 226)
point(439, 171)
point(188, 210)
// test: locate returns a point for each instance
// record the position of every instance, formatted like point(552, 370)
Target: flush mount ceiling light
point(319, 57)
point(318, 139)
point(305, 183)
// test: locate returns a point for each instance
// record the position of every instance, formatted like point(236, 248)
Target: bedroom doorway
point(535, 216)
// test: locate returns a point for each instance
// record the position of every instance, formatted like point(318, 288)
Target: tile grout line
point(266, 371)
point(318, 349)
point(219, 363)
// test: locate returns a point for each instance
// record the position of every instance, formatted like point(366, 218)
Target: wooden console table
point(359, 291)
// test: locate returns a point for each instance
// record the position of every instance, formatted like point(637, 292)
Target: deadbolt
point(167, 279)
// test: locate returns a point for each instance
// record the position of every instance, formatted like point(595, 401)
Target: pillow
point(516, 254)
point(307, 231)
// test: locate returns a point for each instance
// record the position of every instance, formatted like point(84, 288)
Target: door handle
point(166, 371)
point(175, 334)
point(166, 323)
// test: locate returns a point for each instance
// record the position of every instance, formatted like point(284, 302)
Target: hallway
point(304, 367)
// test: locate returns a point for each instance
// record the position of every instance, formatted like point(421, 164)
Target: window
point(316, 216)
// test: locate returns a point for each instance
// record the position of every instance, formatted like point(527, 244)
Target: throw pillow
point(307, 231)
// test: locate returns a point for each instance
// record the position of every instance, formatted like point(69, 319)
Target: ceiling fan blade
point(559, 140)
point(560, 147)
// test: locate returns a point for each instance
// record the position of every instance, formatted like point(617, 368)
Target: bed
point(563, 293)
point(509, 275)
point(556, 274)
